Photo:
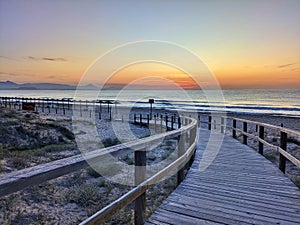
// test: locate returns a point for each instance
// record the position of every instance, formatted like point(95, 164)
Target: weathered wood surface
point(239, 187)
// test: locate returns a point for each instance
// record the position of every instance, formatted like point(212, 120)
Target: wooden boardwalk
point(239, 187)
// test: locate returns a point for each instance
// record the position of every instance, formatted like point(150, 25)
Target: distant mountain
point(8, 85)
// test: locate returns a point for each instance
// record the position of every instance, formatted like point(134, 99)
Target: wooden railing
point(185, 127)
point(260, 137)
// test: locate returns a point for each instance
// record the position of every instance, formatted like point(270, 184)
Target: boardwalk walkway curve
point(239, 187)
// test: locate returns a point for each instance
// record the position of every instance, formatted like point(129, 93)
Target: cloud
point(54, 59)
point(7, 58)
point(286, 65)
point(10, 74)
point(47, 59)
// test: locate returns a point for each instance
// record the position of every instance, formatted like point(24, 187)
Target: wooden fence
point(259, 136)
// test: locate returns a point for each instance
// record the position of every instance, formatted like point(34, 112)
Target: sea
point(274, 102)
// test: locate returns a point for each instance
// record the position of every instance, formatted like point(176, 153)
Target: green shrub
point(105, 169)
point(110, 142)
point(90, 171)
point(151, 157)
point(19, 163)
point(101, 182)
point(128, 160)
point(85, 195)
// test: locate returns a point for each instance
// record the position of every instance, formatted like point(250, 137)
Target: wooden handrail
point(20, 179)
point(130, 196)
point(283, 131)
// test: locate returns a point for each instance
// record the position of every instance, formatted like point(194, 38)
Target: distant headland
point(9, 85)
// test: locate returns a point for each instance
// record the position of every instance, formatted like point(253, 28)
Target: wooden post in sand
point(283, 144)
point(180, 173)
point(140, 176)
point(234, 128)
point(222, 125)
point(161, 119)
point(148, 120)
point(43, 105)
point(245, 131)
point(80, 108)
point(166, 123)
point(261, 136)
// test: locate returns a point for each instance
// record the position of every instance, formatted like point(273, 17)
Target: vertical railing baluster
point(283, 144)
point(140, 176)
point(234, 128)
point(222, 125)
point(245, 131)
point(261, 136)
point(180, 173)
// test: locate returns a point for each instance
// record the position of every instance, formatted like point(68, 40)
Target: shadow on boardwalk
point(239, 187)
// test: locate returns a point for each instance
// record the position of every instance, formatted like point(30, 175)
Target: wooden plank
point(240, 186)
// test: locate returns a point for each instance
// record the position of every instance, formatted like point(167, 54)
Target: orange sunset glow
point(245, 45)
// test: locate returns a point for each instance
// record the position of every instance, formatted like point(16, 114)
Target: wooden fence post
point(261, 136)
point(180, 173)
point(155, 123)
point(209, 122)
point(80, 108)
point(244, 135)
point(222, 125)
point(283, 144)
point(140, 176)
point(161, 119)
point(192, 139)
point(148, 120)
point(234, 128)
point(166, 123)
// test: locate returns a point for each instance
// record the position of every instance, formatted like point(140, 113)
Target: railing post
point(80, 108)
point(161, 121)
point(244, 135)
point(179, 122)
point(155, 123)
point(140, 176)
point(180, 173)
point(134, 118)
point(222, 125)
point(209, 122)
point(261, 136)
point(192, 139)
point(141, 120)
point(166, 123)
point(148, 120)
point(234, 128)
point(172, 123)
point(283, 143)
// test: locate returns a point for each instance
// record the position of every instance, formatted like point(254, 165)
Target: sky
point(245, 44)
